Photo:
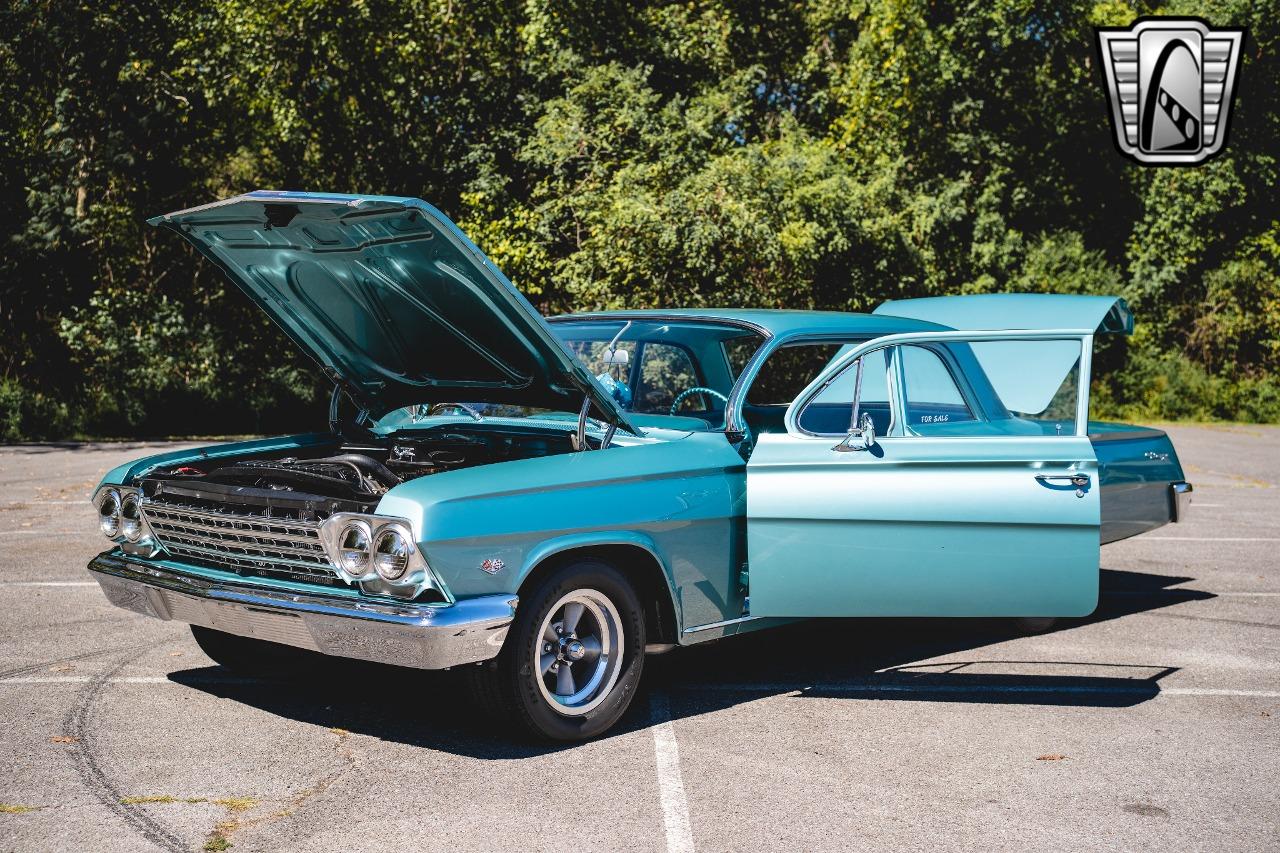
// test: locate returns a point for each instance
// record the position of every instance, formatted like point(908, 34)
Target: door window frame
point(734, 422)
point(1084, 337)
point(893, 378)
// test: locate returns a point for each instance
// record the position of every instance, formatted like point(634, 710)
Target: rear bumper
point(408, 634)
point(1180, 500)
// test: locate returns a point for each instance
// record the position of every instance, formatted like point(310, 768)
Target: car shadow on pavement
point(854, 659)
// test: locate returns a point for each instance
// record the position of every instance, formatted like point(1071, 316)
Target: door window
point(830, 412)
point(931, 395)
point(1014, 388)
point(787, 371)
point(1036, 381)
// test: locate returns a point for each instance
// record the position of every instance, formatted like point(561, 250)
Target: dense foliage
point(608, 154)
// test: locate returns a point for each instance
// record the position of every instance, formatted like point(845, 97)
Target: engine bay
point(348, 476)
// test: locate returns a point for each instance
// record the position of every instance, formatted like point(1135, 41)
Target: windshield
point(652, 368)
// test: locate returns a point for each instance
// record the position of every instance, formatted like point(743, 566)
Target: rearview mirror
point(861, 438)
point(862, 430)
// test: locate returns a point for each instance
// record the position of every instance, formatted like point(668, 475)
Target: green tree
point(612, 154)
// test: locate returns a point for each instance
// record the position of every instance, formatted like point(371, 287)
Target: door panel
point(922, 526)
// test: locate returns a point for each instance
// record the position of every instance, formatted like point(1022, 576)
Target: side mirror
point(862, 438)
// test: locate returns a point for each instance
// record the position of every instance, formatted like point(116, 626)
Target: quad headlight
point(391, 556)
point(355, 555)
point(377, 552)
point(130, 517)
point(109, 512)
point(120, 519)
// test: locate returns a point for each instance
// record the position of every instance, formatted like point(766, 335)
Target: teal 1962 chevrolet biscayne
point(542, 501)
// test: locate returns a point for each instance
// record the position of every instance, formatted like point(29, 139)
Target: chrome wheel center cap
point(574, 650)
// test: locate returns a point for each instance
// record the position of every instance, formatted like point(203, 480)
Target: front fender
point(597, 539)
point(484, 529)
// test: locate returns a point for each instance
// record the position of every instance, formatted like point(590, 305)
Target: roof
point(777, 322)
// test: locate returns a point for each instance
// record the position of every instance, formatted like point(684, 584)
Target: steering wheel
point(689, 392)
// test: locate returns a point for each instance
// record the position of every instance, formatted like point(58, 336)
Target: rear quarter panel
point(1136, 465)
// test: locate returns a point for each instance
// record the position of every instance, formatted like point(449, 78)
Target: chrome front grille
point(242, 542)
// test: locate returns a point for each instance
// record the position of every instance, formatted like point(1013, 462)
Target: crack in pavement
point(294, 804)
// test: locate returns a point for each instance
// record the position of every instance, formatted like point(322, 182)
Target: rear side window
point(786, 373)
point(738, 351)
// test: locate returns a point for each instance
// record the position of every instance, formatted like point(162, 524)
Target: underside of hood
point(392, 299)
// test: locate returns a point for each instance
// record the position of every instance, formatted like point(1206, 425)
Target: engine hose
point(365, 467)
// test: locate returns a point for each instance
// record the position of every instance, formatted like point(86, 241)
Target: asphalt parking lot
point(1154, 724)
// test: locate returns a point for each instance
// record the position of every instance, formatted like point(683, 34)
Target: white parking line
point(1208, 539)
point(977, 689)
point(43, 532)
point(675, 807)
point(48, 583)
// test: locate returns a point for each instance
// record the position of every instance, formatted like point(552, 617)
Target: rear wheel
point(1034, 624)
point(252, 657)
point(573, 657)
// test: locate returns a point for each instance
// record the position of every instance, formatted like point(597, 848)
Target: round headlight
point(353, 550)
point(131, 518)
point(109, 513)
point(391, 557)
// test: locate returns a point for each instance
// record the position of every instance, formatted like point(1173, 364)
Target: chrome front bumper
point(1180, 498)
point(408, 634)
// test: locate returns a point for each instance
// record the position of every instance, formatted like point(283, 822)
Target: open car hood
point(392, 299)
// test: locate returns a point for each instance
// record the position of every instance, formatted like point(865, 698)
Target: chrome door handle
point(1080, 481)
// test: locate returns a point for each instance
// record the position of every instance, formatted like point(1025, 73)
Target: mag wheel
point(581, 654)
point(573, 658)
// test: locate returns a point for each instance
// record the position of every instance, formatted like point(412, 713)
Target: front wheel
point(250, 656)
point(573, 656)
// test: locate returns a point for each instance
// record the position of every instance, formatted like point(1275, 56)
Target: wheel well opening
point(639, 566)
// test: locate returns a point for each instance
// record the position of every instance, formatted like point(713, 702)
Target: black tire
point(253, 657)
point(513, 687)
point(1029, 625)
